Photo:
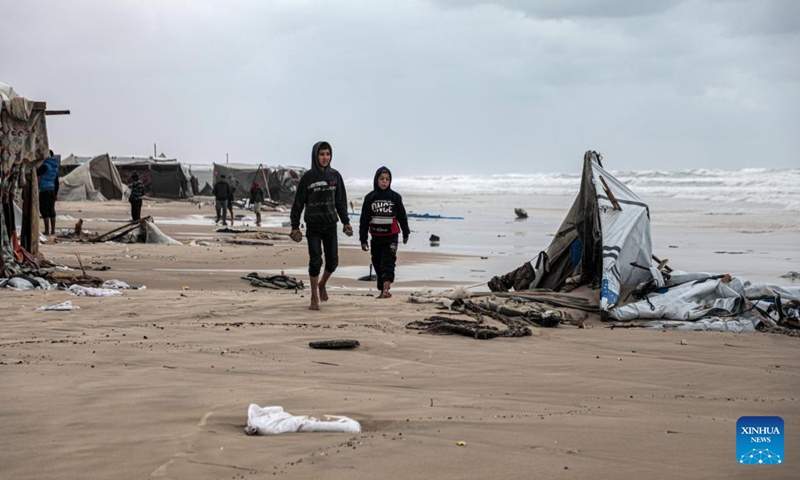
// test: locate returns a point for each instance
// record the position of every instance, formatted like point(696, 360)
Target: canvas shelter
point(279, 183)
point(603, 241)
point(162, 177)
point(95, 180)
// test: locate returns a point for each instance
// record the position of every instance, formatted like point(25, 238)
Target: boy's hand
point(405, 240)
point(296, 235)
point(348, 230)
point(365, 247)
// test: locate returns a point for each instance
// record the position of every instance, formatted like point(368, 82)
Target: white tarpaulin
point(95, 180)
point(706, 296)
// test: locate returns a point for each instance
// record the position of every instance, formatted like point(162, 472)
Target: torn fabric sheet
point(81, 291)
point(274, 421)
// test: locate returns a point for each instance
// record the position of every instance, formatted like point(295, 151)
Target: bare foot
point(314, 303)
point(385, 294)
point(323, 293)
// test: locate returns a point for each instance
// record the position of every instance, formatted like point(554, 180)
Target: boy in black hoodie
point(322, 194)
point(384, 216)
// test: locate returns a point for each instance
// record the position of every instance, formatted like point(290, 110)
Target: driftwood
point(275, 282)
point(119, 232)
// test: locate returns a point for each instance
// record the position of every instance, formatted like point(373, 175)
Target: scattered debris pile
point(275, 282)
point(517, 312)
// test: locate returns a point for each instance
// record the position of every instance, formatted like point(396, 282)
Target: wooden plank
point(610, 194)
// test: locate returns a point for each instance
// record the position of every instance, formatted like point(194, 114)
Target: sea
point(703, 219)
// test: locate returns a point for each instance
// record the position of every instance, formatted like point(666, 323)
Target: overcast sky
point(422, 86)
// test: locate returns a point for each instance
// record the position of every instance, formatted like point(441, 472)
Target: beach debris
point(461, 443)
point(115, 284)
point(434, 239)
point(81, 291)
point(368, 278)
point(521, 213)
point(334, 344)
point(792, 274)
point(249, 241)
point(275, 282)
point(275, 420)
point(469, 328)
point(63, 306)
point(234, 230)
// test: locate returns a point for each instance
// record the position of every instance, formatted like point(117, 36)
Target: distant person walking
point(231, 198)
point(136, 195)
point(48, 192)
point(256, 199)
point(322, 195)
point(222, 193)
point(383, 215)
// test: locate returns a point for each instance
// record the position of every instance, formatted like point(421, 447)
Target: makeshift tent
point(95, 180)
point(603, 241)
point(279, 183)
point(162, 177)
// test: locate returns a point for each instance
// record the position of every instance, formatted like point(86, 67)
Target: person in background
point(48, 192)
point(322, 195)
point(137, 193)
point(256, 199)
point(221, 192)
point(383, 215)
point(231, 198)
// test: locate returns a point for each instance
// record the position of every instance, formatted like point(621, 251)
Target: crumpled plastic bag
point(274, 421)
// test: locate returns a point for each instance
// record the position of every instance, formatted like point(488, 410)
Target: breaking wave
point(749, 185)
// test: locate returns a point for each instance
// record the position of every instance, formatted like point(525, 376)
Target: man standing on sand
point(322, 195)
point(48, 192)
point(221, 192)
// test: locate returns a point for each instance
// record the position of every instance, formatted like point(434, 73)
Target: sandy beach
point(156, 383)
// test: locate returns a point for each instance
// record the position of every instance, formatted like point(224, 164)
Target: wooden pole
point(611, 196)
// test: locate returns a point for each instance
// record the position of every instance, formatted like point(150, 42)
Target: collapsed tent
point(604, 241)
point(96, 180)
point(279, 183)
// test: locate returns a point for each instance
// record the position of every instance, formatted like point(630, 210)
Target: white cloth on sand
point(274, 421)
point(59, 307)
point(81, 291)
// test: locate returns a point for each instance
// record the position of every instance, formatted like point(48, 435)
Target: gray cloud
point(421, 86)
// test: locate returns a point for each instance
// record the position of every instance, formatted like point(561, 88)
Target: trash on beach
point(434, 239)
point(275, 420)
point(275, 282)
point(22, 282)
point(234, 230)
point(63, 306)
point(521, 213)
point(143, 230)
point(792, 275)
point(334, 344)
point(115, 284)
point(81, 291)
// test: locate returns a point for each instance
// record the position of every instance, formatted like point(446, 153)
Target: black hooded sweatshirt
point(383, 214)
point(321, 193)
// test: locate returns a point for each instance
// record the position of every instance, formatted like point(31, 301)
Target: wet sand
point(156, 383)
